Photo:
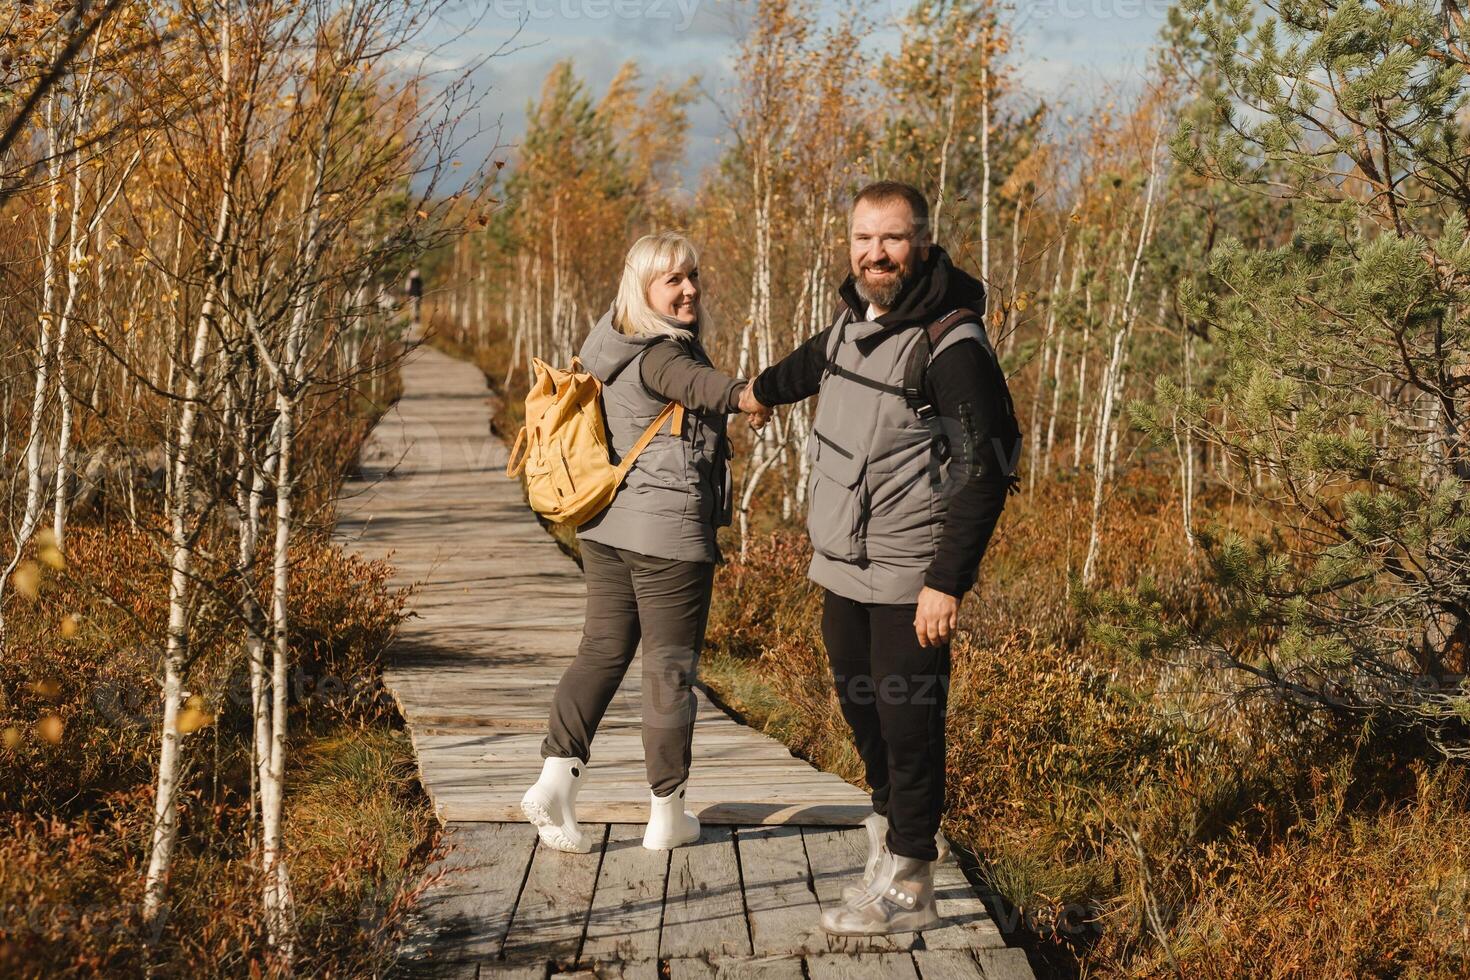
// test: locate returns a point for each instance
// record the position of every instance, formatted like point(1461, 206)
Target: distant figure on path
point(414, 287)
point(649, 558)
point(913, 447)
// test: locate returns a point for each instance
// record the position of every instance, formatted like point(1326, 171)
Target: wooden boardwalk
point(496, 619)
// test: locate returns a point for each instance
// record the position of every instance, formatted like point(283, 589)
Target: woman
point(649, 558)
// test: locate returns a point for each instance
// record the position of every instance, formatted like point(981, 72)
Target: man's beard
point(881, 294)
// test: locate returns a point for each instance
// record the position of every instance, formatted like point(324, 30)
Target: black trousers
point(894, 694)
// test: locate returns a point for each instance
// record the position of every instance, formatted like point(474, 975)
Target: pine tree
point(1341, 399)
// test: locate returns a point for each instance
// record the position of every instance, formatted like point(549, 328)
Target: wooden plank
point(507, 784)
point(737, 968)
point(783, 912)
point(551, 914)
point(511, 971)
point(464, 916)
point(861, 966)
point(947, 964)
point(433, 970)
point(468, 803)
point(704, 913)
point(630, 782)
point(623, 970)
point(689, 968)
point(1005, 964)
point(627, 908)
point(966, 921)
point(836, 858)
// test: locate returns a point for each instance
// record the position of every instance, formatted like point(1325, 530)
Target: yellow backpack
point(570, 477)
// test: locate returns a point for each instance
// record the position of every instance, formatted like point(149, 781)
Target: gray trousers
point(633, 597)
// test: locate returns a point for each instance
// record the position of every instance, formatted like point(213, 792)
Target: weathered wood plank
point(967, 923)
point(619, 970)
point(704, 912)
point(432, 970)
point(472, 807)
point(783, 912)
point(465, 915)
point(1004, 964)
point(627, 908)
point(861, 966)
point(732, 968)
point(551, 914)
point(512, 971)
point(947, 964)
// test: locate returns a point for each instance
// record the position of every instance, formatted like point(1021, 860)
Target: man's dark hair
point(887, 191)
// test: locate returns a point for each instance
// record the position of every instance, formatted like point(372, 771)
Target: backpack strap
point(673, 410)
point(829, 363)
point(517, 459)
point(913, 391)
point(918, 365)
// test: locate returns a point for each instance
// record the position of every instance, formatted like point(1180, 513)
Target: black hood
point(938, 287)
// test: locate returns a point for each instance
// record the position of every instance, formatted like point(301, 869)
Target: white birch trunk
point(985, 159)
point(180, 511)
point(1112, 379)
point(41, 364)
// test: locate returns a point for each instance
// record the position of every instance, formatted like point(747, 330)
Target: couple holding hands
point(912, 450)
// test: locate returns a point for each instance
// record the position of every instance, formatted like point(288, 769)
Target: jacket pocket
point(837, 500)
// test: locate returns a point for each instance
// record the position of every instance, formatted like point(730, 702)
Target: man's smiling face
point(886, 247)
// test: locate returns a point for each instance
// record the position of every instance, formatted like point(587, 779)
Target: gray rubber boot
point(901, 899)
point(877, 827)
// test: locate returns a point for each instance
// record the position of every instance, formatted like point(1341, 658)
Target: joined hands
point(759, 414)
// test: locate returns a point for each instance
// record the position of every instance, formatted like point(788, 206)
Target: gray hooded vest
point(678, 490)
point(879, 481)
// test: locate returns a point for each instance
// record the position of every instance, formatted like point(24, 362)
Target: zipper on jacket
point(835, 448)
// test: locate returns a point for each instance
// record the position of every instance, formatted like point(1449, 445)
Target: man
point(909, 472)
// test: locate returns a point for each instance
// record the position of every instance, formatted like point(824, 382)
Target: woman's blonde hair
point(650, 256)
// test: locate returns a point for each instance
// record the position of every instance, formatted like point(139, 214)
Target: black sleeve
point(966, 387)
point(670, 371)
point(796, 376)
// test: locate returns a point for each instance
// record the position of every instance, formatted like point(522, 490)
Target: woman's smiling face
point(675, 294)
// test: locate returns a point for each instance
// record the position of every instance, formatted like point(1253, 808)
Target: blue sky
point(1071, 50)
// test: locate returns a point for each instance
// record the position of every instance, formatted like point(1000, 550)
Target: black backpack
point(1008, 430)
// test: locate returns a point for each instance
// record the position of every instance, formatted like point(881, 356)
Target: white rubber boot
point(877, 827)
point(669, 824)
point(551, 805)
point(901, 899)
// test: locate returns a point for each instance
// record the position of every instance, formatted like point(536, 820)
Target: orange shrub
point(80, 712)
